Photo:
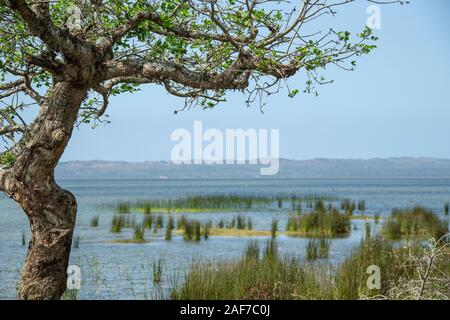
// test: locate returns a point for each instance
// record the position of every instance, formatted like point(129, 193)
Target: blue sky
point(397, 102)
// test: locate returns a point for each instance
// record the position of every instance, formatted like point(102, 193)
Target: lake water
point(124, 271)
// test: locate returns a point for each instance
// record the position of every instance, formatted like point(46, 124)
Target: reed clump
point(415, 223)
point(319, 223)
point(318, 249)
point(119, 222)
point(94, 221)
point(138, 233)
point(237, 222)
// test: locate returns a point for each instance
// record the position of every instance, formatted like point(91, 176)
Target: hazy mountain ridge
point(314, 168)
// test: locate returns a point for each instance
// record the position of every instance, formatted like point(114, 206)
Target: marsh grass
point(94, 221)
point(348, 206)
point(273, 276)
point(319, 223)
point(368, 230)
point(147, 221)
point(213, 203)
point(138, 232)
point(274, 228)
point(170, 226)
point(237, 222)
point(157, 271)
point(123, 207)
point(120, 221)
point(362, 205)
point(317, 249)
point(415, 223)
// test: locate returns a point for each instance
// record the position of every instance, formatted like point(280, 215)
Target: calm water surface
point(124, 271)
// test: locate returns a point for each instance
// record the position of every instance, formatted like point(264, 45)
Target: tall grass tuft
point(157, 268)
point(415, 223)
point(94, 221)
point(123, 207)
point(362, 205)
point(271, 249)
point(312, 249)
point(252, 250)
point(274, 228)
point(138, 232)
point(170, 226)
point(206, 228)
point(320, 223)
point(368, 230)
point(117, 223)
point(197, 231)
point(147, 221)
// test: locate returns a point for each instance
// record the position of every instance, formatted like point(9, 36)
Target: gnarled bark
point(50, 209)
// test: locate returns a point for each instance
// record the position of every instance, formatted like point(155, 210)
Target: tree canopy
point(195, 49)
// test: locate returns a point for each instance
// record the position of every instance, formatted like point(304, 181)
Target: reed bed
point(237, 222)
point(319, 223)
point(415, 223)
point(213, 203)
point(119, 222)
point(273, 277)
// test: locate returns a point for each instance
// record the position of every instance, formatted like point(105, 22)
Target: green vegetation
point(212, 203)
point(7, 158)
point(147, 221)
point(317, 249)
point(170, 226)
point(319, 223)
point(416, 223)
point(192, 230)
point(276, 277)
point(348, 206)
point(94, 221)
point(157, 268)
point(274, 228)
point(118, 222)
point(362, 205)
point(368, 229)
point(139, 232)
point(123, 207)
point(238, 222)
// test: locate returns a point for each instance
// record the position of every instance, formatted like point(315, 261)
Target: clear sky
point(397, 102)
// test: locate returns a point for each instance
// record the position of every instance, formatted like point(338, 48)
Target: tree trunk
point(52, 220)
point(50, 209)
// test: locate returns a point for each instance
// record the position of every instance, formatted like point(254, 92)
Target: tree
point(61, 62)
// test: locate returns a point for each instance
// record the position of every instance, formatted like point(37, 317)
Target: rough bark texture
point(50, 209)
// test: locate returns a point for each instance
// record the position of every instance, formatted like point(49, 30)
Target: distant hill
point(314, 168)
